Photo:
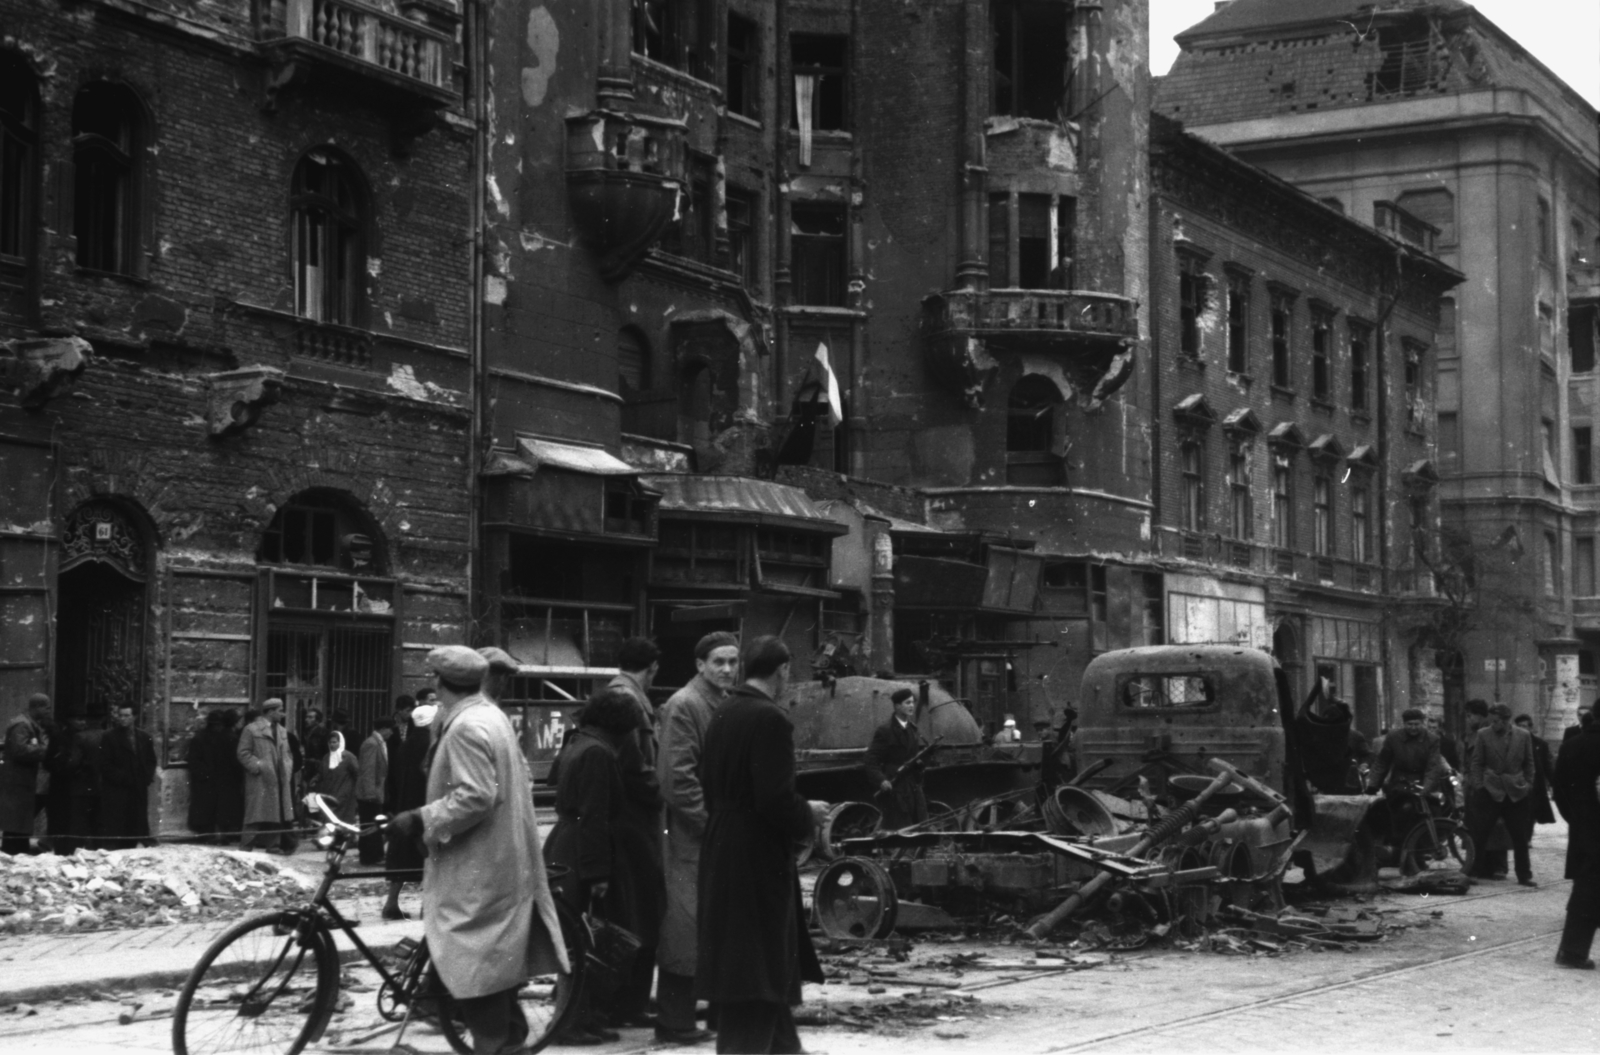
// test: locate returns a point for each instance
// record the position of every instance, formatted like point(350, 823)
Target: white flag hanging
point(835, 404)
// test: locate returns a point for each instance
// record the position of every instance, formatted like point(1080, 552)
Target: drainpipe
point(855, 427)
point(972, 272)
point(782, 279)
point(477, 385)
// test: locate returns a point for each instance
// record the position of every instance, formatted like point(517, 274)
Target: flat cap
point(458, 665)
point(500, 661)
point(1413, 714)
point(1500, 710)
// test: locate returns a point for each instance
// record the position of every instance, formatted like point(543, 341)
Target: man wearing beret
point(684, 720)
point(487, 910)
point(899, 793)
point(1499, 778)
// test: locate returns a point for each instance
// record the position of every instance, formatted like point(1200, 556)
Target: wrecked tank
point(1186, 806)
point(833, 726)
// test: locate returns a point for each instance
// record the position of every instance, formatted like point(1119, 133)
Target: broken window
point(19, 144)
point(1031, 74)
point(1154, 606)
point(107, 147)
point(1583, 454)
point(1282, 338)
point(1322, 511)
point(1032, 420)
point(741, 207)
point(1581, 336)
point(1239, 322)
point(692, 233)
point(1194, 296)
point(1360, 350)
point(328, 229)
point(1406, 64)
point(817, 248)
point(1321, 354)
point(320, 528)
point(1150, 692)
point(679, 33)
point(742, 88)
point(1415, 411)
point(1241, 504)
point(1030, 241)
point(1282, 502)
point(820, 82)
point(1194, 495)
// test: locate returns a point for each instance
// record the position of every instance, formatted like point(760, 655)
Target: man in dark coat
point(1327, 751)
point(1543, 765)
point(27, 739)
point(74, 788)
point(754, 946)
point(1577, 769)
point(899, 793)
point(408, 786)
point(1491, 862)
point(127, 769)
point(1409, 755)
point(1499, 780)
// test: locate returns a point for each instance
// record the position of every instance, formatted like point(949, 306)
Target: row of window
point(1241, 523)
point(1197, 295)
point(111, 192)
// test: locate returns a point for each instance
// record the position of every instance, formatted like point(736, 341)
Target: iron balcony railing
point(1067, 311)
point(366, 34)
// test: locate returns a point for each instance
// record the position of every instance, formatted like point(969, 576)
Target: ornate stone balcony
point(624, 171)
point(405, 56)
point(1091, 333)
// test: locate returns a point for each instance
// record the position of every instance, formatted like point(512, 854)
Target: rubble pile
point(906, 1012)
point(94, 889)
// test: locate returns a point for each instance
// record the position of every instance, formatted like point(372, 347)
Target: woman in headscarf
point(336, 777)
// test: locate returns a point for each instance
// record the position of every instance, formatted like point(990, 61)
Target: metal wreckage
point(1188, 808)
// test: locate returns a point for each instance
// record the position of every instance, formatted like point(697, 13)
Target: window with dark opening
point(741, 206)
point(1194, 289)
point(1154, 609)
point(1031, 75)
point(1581, 337)
point(1322, 511)
point(742, 91)
point(1544, 232)
point(1194, 497)
point(820, 82)
point(1282, 339)
point(1437, 206)
point(1241, 504)
point(633, 361)
point(678, 33)
point(322, 530)
point(1449, 441)
point(816, 243)
point(1282, 502)
point(1321, 355)
point(329, 254)
point(1583, 566)
point(693, 233)
point(1361, 522)
point(1583, 454)
point(107, 147)
point(1360, 351)
point(1239, 322)
point(1031, 423)
point(19, 145)
point(1407, 58)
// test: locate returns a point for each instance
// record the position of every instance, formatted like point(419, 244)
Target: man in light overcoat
point(684, 719)
point(487, 910)
point(1500, 776)
point(268, 782)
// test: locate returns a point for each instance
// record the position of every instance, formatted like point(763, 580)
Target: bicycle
point(1438, 839)
point(271, 983)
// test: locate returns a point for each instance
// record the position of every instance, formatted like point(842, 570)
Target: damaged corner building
point(906, 332)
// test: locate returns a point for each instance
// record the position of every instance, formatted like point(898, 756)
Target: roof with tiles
point(1248, 16)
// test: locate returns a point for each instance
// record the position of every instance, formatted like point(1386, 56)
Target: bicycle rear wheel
point(267, 984)
point(1449, 847)
point(548, 1001)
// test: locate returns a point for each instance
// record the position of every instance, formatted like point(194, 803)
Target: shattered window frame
point(109, 128)
point(1023, 62)
point(1360, 364)
point(1239, 282)
point(1282, 315)
point(327, 223)
point(1322, 317)
point(742, 206)
point(809, 56)
point(19, 160)
point(817, 252)
point(1194, 299)
point(1167, 691)
point(742, 80)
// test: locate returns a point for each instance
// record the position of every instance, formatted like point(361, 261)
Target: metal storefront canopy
point(741, 499)
point(573, 457)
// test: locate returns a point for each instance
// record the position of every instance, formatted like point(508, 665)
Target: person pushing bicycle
point(1409, 757)
point(487, 910)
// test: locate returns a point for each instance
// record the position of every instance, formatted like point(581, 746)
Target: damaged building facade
point(1292, 354)
point(814, 318)
point(234, 430)
point(1426, 121)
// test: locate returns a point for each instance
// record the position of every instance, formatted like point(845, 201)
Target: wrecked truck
point(1188, 802)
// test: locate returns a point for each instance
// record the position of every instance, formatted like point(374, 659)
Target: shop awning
point(573, 457)
point(742, 499)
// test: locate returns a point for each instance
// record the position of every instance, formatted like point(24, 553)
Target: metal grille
point(341, 668)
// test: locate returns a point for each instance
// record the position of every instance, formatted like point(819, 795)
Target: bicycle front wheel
point(267, 984)
point(1448, 847)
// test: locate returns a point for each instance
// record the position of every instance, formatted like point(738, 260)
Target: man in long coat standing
point(684, 720)
point(268, 781)
point(1577, 769)
point(127, 769)
point(754, 947)
point(487, 910)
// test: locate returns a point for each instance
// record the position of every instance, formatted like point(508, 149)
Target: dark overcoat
point(1577, 769)
point(127, 768)
point(893, 745)
point(753, 940)
point(589, 842)
point(408, 790)
point(1543, 763)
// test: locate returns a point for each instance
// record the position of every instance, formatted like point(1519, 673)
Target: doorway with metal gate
point(100, 624)
point(337, 668)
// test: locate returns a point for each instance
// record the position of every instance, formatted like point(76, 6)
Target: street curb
point(169, 979)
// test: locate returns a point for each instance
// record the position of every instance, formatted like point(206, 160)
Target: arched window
point(330, 257)
point(1032, 414)
point(19, 146)
point(108, 141)
point(323, 528)
point(633, 361)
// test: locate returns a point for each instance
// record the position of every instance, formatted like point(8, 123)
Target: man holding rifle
point(894, 761)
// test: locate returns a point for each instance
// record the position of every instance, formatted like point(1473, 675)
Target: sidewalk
point(41, 967)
